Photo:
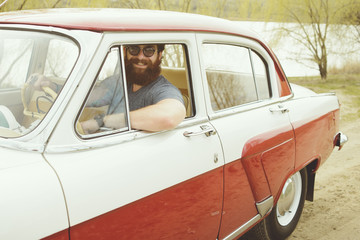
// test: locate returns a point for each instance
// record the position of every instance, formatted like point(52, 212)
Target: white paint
point(32, 203)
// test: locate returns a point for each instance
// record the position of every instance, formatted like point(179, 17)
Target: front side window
point(236, 75)
point(33, 68)
point(133, 77)
point(106, 98)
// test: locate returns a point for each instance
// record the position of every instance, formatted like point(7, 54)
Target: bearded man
point(155, 104)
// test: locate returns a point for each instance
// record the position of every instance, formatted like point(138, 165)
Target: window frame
point(266, 65)
point(128, 129)
point(225, 39)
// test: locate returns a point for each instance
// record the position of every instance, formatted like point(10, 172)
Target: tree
point(313, 20)
point(351, 18)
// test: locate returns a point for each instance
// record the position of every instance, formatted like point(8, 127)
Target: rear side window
point(236, 75)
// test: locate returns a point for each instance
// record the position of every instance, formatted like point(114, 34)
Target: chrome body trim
point(265, 206)
point(243, 228)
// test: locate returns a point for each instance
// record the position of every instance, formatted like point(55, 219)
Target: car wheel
point(286, 214)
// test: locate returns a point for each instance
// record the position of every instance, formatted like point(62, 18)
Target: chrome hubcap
point(289, 199)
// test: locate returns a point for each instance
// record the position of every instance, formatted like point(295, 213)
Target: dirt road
point(335, 213)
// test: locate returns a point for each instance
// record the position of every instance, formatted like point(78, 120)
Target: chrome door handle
point(279, 108)
point(205, 129)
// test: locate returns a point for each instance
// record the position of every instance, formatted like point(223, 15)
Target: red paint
point(239, 204)
point(272, 158)
point(283, 84)
point(250, 179)
point(120, 20)
point(278, 163)
point(63, 235)
point(257, 177)
point(314, 138)
point(267, 140)
point(268, 158)
point(190, 210)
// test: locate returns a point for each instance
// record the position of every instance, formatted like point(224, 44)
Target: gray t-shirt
point(150, 94)
point(153, 93)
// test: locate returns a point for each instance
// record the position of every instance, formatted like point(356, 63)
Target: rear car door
point(128, 184)
point(252, 122)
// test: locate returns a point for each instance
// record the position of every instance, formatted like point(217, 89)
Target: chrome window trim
point(241, 41)
point(148, 38)
point(119, 49)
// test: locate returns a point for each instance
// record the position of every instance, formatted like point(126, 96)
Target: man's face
point(142, 63)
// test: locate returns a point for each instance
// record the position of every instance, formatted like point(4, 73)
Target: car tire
point(284, 217)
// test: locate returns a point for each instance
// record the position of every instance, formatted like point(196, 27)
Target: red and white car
point(242, 163)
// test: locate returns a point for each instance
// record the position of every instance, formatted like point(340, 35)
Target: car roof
point(101, 20)
point(115, 19)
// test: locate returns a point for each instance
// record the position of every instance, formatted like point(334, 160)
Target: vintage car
point(241, 163)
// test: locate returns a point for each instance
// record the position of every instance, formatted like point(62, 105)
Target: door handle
point(205, 129)
point(279, 108)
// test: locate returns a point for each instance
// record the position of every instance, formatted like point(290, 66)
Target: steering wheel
point(50, 92)
point(31, 99)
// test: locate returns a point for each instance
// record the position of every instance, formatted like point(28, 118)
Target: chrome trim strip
point(122, 58)
point(265, 206)
point(243, 228)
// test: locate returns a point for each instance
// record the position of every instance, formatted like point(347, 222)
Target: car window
point(107, 95)
point(261, 76)
point(110, 97)
point(236, 75)
point(175, 68)
point(26, 58)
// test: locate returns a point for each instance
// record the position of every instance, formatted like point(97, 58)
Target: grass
point(346, 87)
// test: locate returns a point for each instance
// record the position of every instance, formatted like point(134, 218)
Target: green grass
point(346, 87)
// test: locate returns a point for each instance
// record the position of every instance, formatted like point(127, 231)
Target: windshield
point(33, 68)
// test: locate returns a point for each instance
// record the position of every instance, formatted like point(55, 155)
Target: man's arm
point(164, 115)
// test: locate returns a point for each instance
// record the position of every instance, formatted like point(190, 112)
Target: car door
point(129, 184)
point(252, 122)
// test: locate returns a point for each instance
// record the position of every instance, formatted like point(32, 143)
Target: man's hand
point(115, 121)
point(42, 82)
point(89, 126)
point(164, 115)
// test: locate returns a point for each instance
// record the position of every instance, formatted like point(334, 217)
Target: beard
point(142, 78)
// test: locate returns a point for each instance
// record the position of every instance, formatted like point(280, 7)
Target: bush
point(350, 67)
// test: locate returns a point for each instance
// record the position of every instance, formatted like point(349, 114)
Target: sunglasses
point(135, 50)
